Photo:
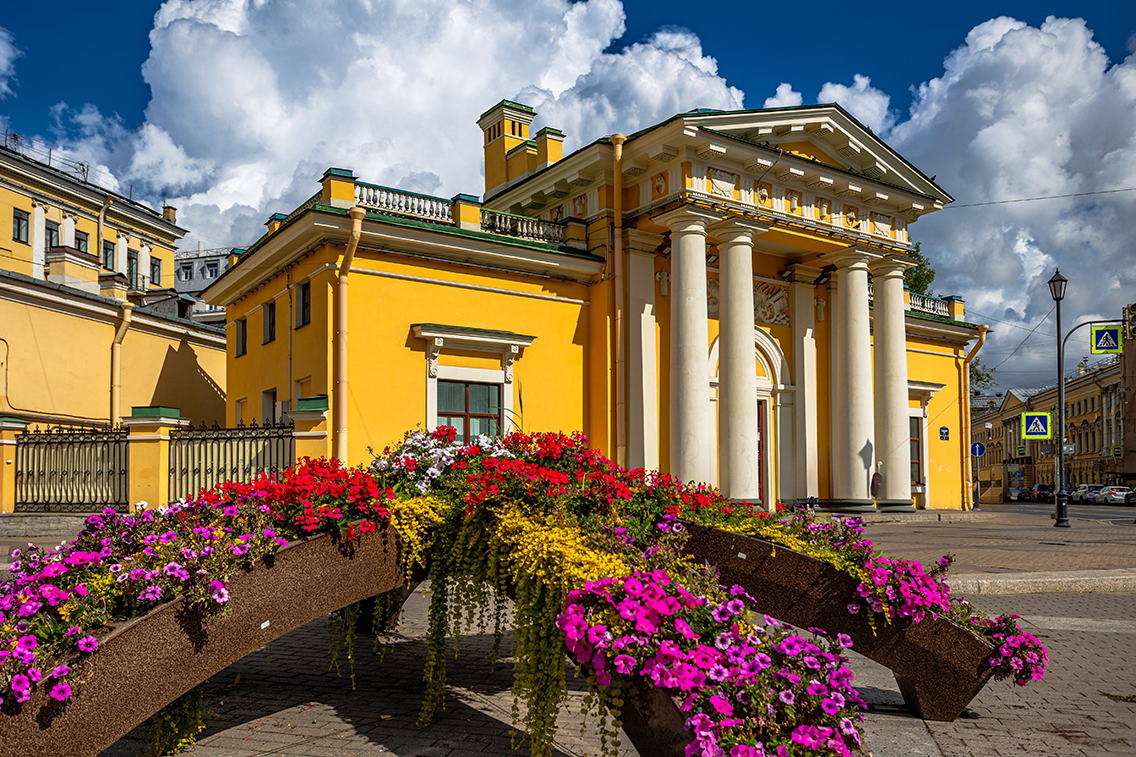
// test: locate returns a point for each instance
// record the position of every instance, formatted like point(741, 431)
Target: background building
point(1094, 412)
point(719, 296)
point(89, 322)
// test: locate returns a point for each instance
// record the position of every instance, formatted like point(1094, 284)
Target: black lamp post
point(1061, 499)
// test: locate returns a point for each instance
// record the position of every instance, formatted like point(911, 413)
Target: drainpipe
point(967, 504)
point(617, 141)
point(116, 360)
point(102, 225)
point(356, 214)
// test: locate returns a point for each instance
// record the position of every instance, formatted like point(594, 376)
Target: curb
point(1053, 582)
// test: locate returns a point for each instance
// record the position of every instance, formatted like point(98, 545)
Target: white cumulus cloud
point(870, 105)
point(785, 96)
point(8, 54)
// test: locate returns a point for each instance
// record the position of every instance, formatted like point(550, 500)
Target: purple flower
point(151, 594)
point(60, 671)
point(167, 537)
point(34, 675)
point(853, 608)
point(20, 682)
point(239, 549)
point(792, 645)
point(88, 644)
point(724, 640)
point(115, 568)
point(231, 511)
point(817, 689)
point(61, 691)
point(718, 673)
point(844, 640)
point(787, 697)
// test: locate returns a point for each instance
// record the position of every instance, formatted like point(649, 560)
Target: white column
point(120, 255)
point(68, 239)
point(643, 371)
point(691, 432)
point(738, 451)
point(891, 395)
point(853, 443)
point(144, 264)
point(802, 303)
point(39, 232)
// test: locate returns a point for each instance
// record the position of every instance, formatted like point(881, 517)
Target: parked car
point(1084, 493)
point(1111, 495)
point(1025, 495)
point(1041, 493)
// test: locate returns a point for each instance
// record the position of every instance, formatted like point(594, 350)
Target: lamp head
point(1057, 285)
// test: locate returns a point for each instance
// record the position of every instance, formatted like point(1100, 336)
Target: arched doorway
point(775, 420)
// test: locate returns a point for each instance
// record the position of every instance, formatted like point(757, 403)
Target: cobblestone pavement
point(295, 706)
point(1009, 543)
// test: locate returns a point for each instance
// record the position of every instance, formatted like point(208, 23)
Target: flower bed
point(540, 515)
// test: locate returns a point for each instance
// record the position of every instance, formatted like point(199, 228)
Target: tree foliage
point(919, 278)
point(981, 377)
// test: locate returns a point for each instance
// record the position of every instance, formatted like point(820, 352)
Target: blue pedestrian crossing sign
point(1106, 340)
point(1036, 426)
point(978, 449)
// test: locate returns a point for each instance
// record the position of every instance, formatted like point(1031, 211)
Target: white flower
point(423, 486)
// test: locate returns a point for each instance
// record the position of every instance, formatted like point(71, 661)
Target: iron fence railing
point(203, 456)
point(72, 469)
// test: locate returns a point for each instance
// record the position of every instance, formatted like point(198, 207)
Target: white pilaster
point(68, 230)
point(144, 264)
point(802, 304)
point(893, 435)
point(120, 255)
point(691, 423)
point(738, 443)
point(853, 443)
point(643, 372)
point(39, 232)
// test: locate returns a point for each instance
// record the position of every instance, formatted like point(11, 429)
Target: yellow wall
point(946, 461)
point(58, 363)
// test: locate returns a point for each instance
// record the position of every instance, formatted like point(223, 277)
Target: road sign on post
point(1036, 426)
point(1106, 339)
point(978, 449)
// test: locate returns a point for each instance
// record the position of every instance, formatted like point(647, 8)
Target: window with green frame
point(472, 409)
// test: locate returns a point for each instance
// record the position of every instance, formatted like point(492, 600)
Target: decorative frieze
point(770, 302)
point(722, 183)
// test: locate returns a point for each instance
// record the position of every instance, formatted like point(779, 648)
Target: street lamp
point(1060, 499)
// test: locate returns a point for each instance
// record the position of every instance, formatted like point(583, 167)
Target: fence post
point(9, 427)
point(310, 427)
point(150, 453)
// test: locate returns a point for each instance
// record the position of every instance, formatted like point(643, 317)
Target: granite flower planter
point(148, 662)
point(939, 665)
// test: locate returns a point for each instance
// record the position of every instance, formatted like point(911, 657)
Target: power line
point(1035, 328)
point(999, 320)
point(1047, 197)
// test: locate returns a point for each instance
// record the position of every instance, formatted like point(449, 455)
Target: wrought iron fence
point(203, 456)
point(72, 469)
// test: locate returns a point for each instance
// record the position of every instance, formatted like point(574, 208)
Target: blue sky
point(231, 110)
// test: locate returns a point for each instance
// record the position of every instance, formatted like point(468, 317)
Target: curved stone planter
point(939, 665)
point(152, 660)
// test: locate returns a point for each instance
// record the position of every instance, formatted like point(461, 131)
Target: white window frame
point(439, 338)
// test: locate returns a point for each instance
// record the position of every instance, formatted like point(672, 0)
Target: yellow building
point(84, 338)
point(1094, 412)
point(719, 296)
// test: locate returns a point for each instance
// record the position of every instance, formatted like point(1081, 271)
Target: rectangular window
point(132, 269)
point(185, 271)
point(156, 271)
point(242, 412)
point(269, 322)
point(108, 255)
point(268, 406)
point(304, 304)
point(472, 409)
point(82, 241)
point(241, 336)
point(211, 269)
point(51, 234)
point(916, 450)
point(20, 226)
point(304, 387)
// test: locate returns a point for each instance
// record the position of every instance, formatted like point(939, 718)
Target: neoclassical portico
point(893, 436)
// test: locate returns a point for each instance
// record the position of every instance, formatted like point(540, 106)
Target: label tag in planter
point(265, 624)
point(741, 555)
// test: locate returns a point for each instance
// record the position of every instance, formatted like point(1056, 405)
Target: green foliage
point(981, 378)
point(919, 278)
point(175, 727)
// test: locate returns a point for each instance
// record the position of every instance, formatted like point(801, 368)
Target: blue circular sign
point(978, 449)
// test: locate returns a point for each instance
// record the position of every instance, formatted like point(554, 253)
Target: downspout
point(617, 141)
point(967, 504)
point(356, 214)
point(102, 225)
point(116, 362)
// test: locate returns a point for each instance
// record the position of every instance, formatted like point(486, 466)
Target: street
point(1114, 513)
